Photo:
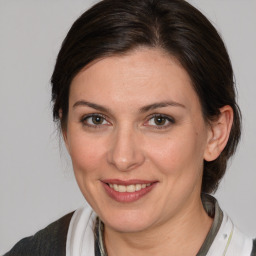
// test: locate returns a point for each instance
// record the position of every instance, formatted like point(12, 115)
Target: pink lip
point(126, 197)
point(127, 182)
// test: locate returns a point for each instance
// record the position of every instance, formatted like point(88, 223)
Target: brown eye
point(94, 120)
point(160, 120)
point(97, 120)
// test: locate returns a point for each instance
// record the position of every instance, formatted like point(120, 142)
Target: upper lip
point(127, 182)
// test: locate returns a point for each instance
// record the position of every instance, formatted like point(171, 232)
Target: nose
point(125, 151)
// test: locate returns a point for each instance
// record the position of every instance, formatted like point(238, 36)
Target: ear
point(219, 131)
point(64, 132)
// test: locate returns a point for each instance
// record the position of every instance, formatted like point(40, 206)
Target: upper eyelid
point(161, 115)
point(168, 117)
point(94, 114)
point(107, 118)
point(85, 117)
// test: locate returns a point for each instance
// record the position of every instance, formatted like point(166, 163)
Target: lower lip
point(127, 197)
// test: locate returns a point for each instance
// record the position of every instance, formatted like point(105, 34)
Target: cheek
point(178, 153)
point(86, 154)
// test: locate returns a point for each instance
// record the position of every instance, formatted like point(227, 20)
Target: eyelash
point(167, 118)
point(84, 121)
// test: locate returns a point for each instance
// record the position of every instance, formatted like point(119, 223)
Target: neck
point(179, 236)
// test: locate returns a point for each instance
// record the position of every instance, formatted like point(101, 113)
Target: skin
point(128, 144)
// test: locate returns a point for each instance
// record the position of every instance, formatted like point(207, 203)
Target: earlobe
point(219, 133)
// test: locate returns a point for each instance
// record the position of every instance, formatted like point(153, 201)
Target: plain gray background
point(36, 183)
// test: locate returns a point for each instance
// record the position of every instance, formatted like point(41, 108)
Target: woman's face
point(137, 139)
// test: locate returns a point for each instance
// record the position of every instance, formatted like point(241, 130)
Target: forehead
point(137, 78)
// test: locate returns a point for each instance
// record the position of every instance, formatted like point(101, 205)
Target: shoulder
point(48, 241)
point(224, 236)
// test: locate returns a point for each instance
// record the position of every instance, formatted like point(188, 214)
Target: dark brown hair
point(114, 27)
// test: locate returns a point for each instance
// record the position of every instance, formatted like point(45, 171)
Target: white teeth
point(121, 188)
point(138, 187)
point(129, 188)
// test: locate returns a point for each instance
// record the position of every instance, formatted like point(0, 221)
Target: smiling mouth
point(128, 191)
point(130, 188)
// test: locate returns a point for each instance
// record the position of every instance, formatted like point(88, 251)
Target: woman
point(145, 98)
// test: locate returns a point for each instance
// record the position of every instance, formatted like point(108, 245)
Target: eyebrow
point(161, 105)
point(91, 105)
point(142, 110)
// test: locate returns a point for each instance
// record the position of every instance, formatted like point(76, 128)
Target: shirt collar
point(212, 208)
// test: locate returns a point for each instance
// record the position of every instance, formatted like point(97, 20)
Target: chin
point(128, 222)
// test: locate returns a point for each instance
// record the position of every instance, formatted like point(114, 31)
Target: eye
point(94, 120)
point(160, 121)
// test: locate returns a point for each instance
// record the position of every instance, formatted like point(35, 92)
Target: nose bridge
point(125, 152)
